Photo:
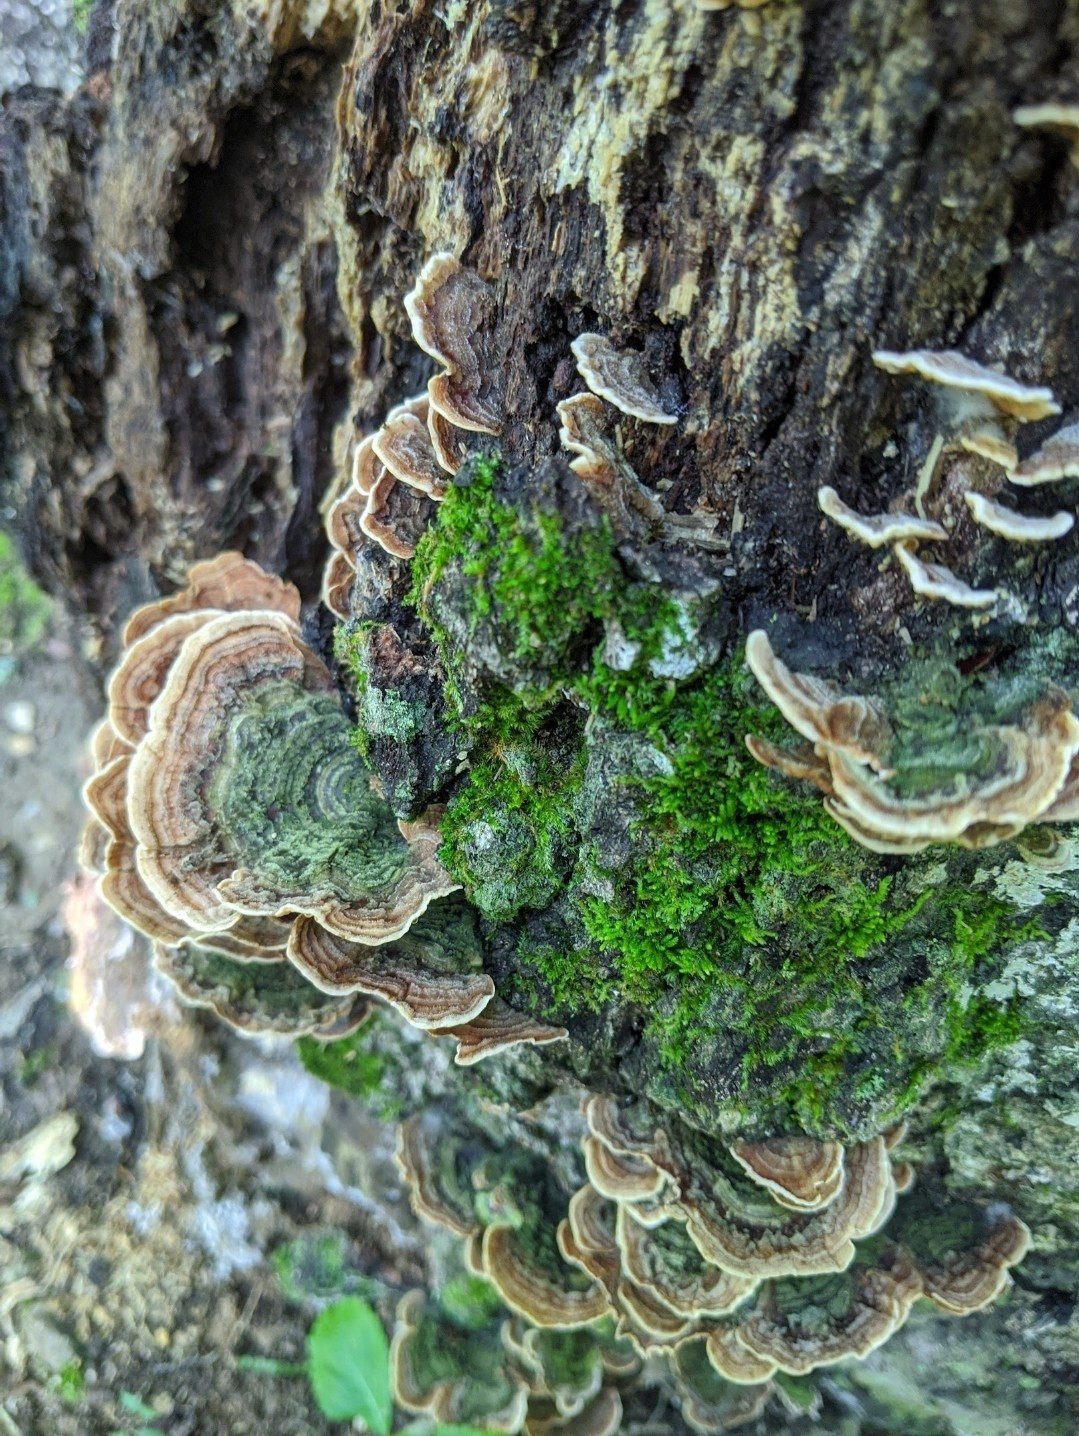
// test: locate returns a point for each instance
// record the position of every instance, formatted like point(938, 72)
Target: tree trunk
point(204, 255)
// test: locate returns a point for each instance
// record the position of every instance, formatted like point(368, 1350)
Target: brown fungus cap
point(792, 1327)
point(935, 581)
point(762, 1239)
point(403, 444)
point(601, 1417)
point(167, 809)
point(847, 724)
point(664, 1263)
point(968, 1280)
point(256, 998)
point(1058, 458)
point(1017, 528)
point(452, 312)
point(229, 582)
point(876, 530)
point(402, 973)
point(622, 1177)
point(800, 1172)
point(952, 370)
point(418, 1149)
point(530, 1291)
point(497, 1028)
point(621, 377)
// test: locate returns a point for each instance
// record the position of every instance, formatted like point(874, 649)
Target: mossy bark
point(203, 256)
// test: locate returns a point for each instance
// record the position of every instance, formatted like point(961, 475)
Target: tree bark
point(204, 254)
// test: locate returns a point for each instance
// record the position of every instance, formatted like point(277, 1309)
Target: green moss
point(24, 609)
point(353, 1066)
point(777, 967)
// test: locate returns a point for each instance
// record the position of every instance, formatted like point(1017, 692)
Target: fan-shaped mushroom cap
point(963, 1252)
point(256, 997)
point(599, 464)
point(800, 1172)
point(800, 1326)
point(664, 1262)
point(853, 725)
point(621, 377)
point(953, 370)
point(452, 312)
point(734, 1361)
point(529, 1290)
point(1051, 115)
point(1018, 528)
point(395, 516)
point(451, 1373)
point(403, 444)
point(751, 1235)
point(620, 1176)
point(106, 744)
point(337, 579)
point(497, 1028)
point(429, 974)
point(877, 529)
point(710, 1403)
point(933, 580)
point(601, 1417)
point(229, 582)
point(246, 796)
point(427, 1160)
point(1029, 769)
point(145, 666)
point(1058, 458)
point(801, 763)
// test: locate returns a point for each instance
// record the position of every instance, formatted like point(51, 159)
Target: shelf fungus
point(937, 581)
point(1017, 528)
point(402, 469)
point(456, 1357)
point(782, 1255)
point(979, 407)
point(586, 424)
point(876, 530)
point(1002, 778)
point(452, 311)
point(1052, 115)
point(621, 377)
point(1058, 458)
point(235, 824)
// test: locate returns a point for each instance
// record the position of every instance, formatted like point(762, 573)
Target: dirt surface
point(142, 1196)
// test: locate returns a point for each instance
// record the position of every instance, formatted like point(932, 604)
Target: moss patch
point(775, 972)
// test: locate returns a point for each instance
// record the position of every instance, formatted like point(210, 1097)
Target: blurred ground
point(149, 1207)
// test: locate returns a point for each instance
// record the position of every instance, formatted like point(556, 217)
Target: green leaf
point(348, 1361)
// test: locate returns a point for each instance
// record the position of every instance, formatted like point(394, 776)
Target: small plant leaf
point(348, 1362)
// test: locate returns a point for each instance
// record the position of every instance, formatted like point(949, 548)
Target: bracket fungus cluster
point(619, 383)
point(730, 1263)
point(402, 469)
point(1022, 773)
point(237, 827)
point(978, 410)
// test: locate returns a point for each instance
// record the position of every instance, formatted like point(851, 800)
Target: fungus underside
point(774, 966)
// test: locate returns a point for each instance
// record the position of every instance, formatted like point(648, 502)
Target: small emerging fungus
point(1052, 115)
point(452, 312)
point(621, 377)
point(1016, 527)
point(1058, 458)
point(876, 530)
point(934, 580)
point(1025, 772)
